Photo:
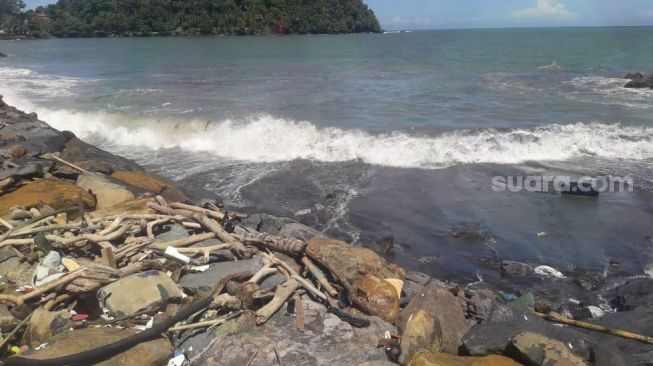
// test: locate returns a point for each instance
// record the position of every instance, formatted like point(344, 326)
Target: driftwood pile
point(100, 250)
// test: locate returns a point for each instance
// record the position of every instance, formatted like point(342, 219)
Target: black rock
point(640, 83)
point(517, 269)
point(2, 55)
point(634, 76)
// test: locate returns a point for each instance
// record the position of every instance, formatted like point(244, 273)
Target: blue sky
point(437, 14)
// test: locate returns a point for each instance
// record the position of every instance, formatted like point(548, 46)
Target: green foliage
point(86, 18)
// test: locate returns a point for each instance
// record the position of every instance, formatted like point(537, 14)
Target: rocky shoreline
point(99, 258)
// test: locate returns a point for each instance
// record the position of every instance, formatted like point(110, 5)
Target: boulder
point(94, 159)
point(28, 171)
point(51, 191)
point(447, 313)
point(44, 324)
point(7, 321)
point(506, 322)
point(151, 183)
point(349, 263)
point(144, 290)
point(204, 281)
point(635, 353)
point(326, 340)
point(106, 192)
point(634, 75)
point(536, 349)
point(155, 352)
point(299, 231)
point(268, 224)
point(379, 295)
point(515, 269)
point(442, 359)
point(133, 207)
point(419, 334)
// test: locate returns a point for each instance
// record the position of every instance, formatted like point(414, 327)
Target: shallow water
point(390, 134)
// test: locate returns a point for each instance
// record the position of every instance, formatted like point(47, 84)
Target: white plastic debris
point(541, 234)
point(199, 268)
point(173, 253)
point(177, 360)
point(596, 311)
point(547, 271)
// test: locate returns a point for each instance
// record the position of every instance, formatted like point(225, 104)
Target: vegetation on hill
point(89, 18)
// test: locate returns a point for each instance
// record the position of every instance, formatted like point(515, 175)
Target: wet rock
point(632, 294)
point(326, 340)
point(441, 359)
point(536, 349)
point(516, 269)
point(45, 324)
point(151, 353)
point(106, 192)
point(380, 295)
point(446, 311)
point(299, 231)
point(267, 223)
point(204, 281)
point(349, 263)
point(419, 334)
point(151, 183)
point(484, 300)
point(634, 75)
point(525, 303)
point(640, 81)
point(637, 321)
point(145, 290)
point(29, 171)
point(506, 322)
point(93, 159)
point(51, 191)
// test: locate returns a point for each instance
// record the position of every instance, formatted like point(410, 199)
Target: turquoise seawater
point(385, 134)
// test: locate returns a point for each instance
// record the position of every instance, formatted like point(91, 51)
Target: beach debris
point(547, 271)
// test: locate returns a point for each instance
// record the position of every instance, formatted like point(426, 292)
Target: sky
point(443, 14)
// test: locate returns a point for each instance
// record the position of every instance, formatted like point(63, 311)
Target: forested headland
point(102, 18)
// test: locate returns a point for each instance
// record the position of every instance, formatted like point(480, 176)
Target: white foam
point(269, 139)
point(266, 138)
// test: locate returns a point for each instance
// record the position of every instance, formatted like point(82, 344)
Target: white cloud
point(545, 9)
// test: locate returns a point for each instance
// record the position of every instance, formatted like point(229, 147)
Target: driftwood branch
point(281, 295)
point(597, 328)
point(45, 288)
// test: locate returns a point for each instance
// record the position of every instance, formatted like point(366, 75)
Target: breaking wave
point(266, 138)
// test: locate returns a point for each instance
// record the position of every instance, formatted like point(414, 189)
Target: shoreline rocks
point(639, 81)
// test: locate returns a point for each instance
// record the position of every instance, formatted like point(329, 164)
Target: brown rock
point(16, 150)
point(446, 311)
point(44, 324)
point(537, 349)
point(349, 263)
point(381, 296)
point(419, 335)
point(106, 192)
point(441, 359)
point(151, 183)
point(133, 207)
point(53, 192)
point(94, 159)
point(152, 353)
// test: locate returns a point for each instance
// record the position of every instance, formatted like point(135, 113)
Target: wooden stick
point(214, 227)
point(287, 245)
point(281, 295)
point(595, 327)
point(6, 224)
point(207, 323)
point(299, 313)
point(62, 161)
point(319, 276)
point(293, 274)
point(211, 213)
point(180, 243)
point(12, 242)
point(18, 300)
point(90, 237)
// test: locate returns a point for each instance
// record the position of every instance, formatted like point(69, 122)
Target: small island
point(113, 18)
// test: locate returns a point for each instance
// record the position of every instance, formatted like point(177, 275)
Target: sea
point(389, 141)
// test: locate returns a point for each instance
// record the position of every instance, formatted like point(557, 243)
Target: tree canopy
point(88, 18)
